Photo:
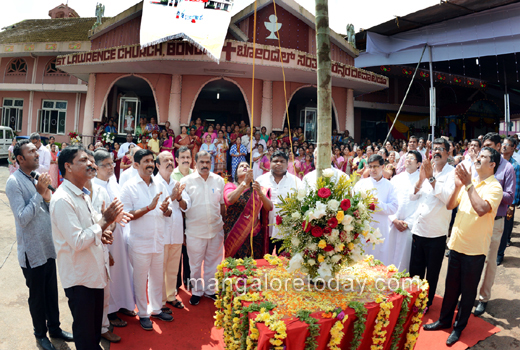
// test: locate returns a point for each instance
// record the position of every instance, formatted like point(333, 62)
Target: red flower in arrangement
point(356, 214)
point(306, 229)
point(327, 230)
point(343, 236)
point(333, 222)
point(324, 192)
point(317, 231)
point(279, 220)
point(328, 248)
point(285, 254)
point(192, 21)
point(345, 204)
point(356, 235)
point(372, 206)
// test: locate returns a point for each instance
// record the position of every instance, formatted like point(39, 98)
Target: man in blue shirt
point(508, 149)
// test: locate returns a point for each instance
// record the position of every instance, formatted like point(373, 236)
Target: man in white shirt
point(130, 172)
point(204, 226)
point(310, 179)
point(421, 147)
point(124, 147)
point(45, 155)
point(431, 193)
point(121, 285)
point(173, 232)
point(280, 182)
point(246, 138)
point(79, 234)
point(471, 156)
point(400, 236)
point(412, 146)
point(384, 193)
point(147, 201)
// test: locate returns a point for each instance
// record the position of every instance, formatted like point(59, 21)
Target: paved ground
point(15, 321)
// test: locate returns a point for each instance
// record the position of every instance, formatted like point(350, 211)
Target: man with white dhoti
point(432, 219)
point(400, 235)
point(386, 197)
point(121, 283)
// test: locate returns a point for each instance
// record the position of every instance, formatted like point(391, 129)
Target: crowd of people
point(128, 238)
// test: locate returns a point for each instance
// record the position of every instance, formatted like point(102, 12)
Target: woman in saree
point(169, 130)
point(243, 216)
point(220, 158)
point(199, 128)
point(117, 162)
point(285, 136)
point(307, 166)
point(53, 169)
point(183, 139)
point(210, 132)
point(209, 147)
point(11, 159)
point(166, 143)
point(141, 128)
point(197, 142)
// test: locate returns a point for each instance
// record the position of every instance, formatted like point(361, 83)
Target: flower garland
point(337, 331)
point(311, 343)
point(273, 260)
point(359, 325)
point(379, 336)
point(403, 314)
point(247, 342)
point(274, 323)
point(418, 310)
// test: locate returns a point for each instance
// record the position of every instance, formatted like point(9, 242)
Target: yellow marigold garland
point(419, 307)
point(379, 335)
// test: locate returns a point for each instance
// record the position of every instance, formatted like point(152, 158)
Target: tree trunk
point(324, 86)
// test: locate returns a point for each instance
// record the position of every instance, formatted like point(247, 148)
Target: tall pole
point(324, 86)
point(433, 103)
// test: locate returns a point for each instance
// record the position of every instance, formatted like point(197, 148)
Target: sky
point(363, 14)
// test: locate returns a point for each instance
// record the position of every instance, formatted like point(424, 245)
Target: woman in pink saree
point(243, 216)
point(53, 170)
point(167, 144)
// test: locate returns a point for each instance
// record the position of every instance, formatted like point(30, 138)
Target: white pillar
point(174, 110)
point(266, 118)
point(349, 122)
point(30, 114)
point(88, 116)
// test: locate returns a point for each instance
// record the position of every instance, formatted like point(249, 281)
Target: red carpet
point(476, 330)
point(193, 329)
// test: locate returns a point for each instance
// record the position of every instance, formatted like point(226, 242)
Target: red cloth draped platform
point(193, 328)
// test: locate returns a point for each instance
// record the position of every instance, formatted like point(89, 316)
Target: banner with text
point(204, 23)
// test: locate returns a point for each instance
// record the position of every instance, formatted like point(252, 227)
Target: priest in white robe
point(387, 205)
point(400, 235)
point(121, 283)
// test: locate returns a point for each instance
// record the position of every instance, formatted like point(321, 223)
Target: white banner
point(204, 23)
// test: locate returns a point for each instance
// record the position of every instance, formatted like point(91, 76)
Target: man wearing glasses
point(412, 146)
point(478, 200)
point(432, 219)
point(387, 204)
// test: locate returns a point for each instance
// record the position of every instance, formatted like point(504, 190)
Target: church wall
point(125, 34)
point(16, 78)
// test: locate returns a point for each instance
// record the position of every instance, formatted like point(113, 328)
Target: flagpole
point(324, 86)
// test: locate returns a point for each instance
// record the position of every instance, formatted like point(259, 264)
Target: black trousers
point(426, 258)
point(506, 236)
point(462, 280)
point(86, 306)
point(43, 297)
point(184, 267)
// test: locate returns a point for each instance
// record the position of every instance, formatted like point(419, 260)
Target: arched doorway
point(130, 99)
point(220, 101)
point(303, 112)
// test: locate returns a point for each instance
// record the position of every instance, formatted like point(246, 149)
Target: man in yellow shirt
point(153, 144)
point(478, 201)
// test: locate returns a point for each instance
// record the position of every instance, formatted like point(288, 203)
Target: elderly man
point(412, 146)
point(121, 284)
point(173, 232)
point(281, 183)
point(183, 157)
point(508, 148)
point(204, 237)
point(29, 200)
point(125, 146)
point(400, 236)
point(147, 201)
point(431, 193)
point(506, 176)
point(387, 204)
point(44, 153)
point(258, 141)
point(478, 201)
point(79, 233)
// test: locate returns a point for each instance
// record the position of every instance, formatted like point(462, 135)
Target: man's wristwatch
point(431, 179)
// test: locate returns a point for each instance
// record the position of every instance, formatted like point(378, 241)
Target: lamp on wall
point(218, 94)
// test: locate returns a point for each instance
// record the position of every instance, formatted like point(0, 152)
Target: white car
point(6, 139)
